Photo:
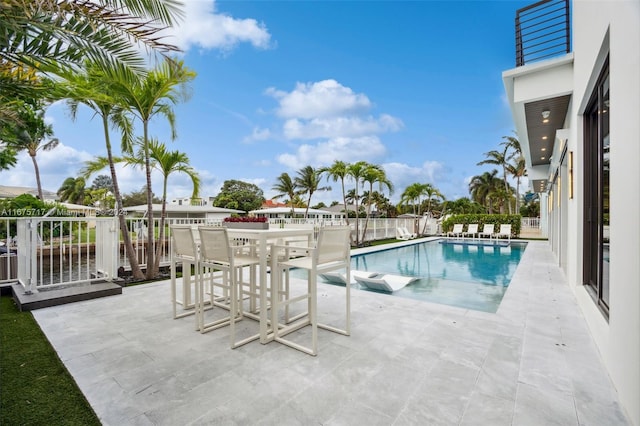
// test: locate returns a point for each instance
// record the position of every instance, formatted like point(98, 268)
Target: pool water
point(471, 276)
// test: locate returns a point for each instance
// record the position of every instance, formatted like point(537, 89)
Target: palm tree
point(483, 187)
point(374, 173)
point(41, 34)
point(356, 172)
point(308, 180)
point(518, 170)
point(7, 158)
point(286, 187)
point(431, 192)
point(147, 98)
point(72, 190)
point(339, 170)
point(55, 37)
point(168, 162)
point(30, 135)
point(96, 88)
point(500, 159)
point(380, 201)
point(412, 195)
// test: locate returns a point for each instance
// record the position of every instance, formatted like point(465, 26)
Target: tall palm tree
point(308, 180)
point(499, 159)
point(96, 87)
point(286, 187)
point(147, 98)
point(518, 170)
point(72, 190)
point(339, 170)
point(374, 173)
point(431, 192)
point(356, 172)
point(33, 135)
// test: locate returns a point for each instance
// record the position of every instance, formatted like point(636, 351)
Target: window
point(596, 192)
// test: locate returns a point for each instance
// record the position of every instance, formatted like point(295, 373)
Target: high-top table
point(261, 238)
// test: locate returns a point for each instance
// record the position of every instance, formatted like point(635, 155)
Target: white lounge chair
point(409, 233)
point(401, 235)
point(385, 282)
point(457, 230)
point(340, 278)
point(487, 230)
point(505, 231)
point(472, 230)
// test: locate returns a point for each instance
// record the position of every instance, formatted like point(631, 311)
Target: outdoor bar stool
point(332, 252)
point(217, 253)
point(282, 250)
point(184, 251)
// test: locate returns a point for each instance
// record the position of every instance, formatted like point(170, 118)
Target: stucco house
point(577, 116)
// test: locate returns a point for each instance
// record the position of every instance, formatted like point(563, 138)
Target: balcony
point(540, 87)
point(542, 31)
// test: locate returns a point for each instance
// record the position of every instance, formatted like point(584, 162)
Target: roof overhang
point(539, 96)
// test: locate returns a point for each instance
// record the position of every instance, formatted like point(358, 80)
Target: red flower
point(246, 219)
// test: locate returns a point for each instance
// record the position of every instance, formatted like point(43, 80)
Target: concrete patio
point(406, 362)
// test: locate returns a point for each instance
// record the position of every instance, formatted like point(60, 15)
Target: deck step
point(60, 296)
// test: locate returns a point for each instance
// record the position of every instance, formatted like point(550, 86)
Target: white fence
point(47, 252)
point(530, 223)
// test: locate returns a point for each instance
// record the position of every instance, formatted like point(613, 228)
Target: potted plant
point(246, 222)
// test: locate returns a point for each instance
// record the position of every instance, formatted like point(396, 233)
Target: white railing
point(530, 222)
point(8, 255)
point(47, 252)
point(54, 251)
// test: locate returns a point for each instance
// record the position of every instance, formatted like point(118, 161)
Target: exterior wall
point(601, 28)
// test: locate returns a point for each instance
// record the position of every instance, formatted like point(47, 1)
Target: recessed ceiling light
point(542, 158)
point(546, 120)
point(544, 138)
point(543, 149)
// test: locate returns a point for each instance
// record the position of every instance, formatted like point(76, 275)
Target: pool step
point(61, 296)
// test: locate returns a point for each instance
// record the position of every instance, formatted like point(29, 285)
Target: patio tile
point(405, 363)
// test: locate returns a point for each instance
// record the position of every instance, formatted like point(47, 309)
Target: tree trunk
point(136, 272)
point(160, 245)
point(37, 170)
point(150, 223)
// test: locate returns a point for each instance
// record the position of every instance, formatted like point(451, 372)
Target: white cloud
point(321, 99)
point(403, 175)
point(54, 166)
point(205, 28)
point(339, 126)
point(366, 148)
point(257, 134)
point(336, 116)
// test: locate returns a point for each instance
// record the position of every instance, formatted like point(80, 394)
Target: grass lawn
point(35, 386)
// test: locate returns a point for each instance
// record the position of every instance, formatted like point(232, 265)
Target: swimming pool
point(472, 276)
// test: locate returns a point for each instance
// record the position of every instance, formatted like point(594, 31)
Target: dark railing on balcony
point(542, 31)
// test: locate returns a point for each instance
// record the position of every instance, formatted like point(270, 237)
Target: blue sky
point(413, 86)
